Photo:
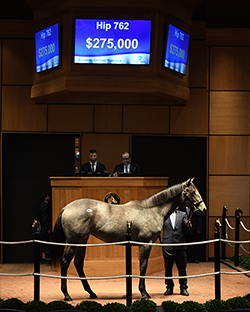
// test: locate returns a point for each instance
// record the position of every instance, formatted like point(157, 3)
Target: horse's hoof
point(146, 296)
point(68, 298)
point(93, 296)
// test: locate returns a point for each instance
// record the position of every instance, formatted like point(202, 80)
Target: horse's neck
point(169, 207)
point(162, 198)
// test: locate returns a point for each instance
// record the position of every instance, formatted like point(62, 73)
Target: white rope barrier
point(228, 224)
point(126, 242)
point(244, 249)
point(236, 273)
point(81, 278)
point(179, 244)
point(18, 274)
point(231, 241)
point(242, 224)
point(18, 242)
point(80, 245)
point(123, 276)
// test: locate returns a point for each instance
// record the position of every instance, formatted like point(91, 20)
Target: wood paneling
point(192, 118)
point(17, 28)
point(19, 113)
point(18, 61)
point(227, 36)
point(229, 113)
point(229, 155)
point(108, 118)
point(229, 68)
point(230, 191)
point(70, 118)
point(108, 146)
point(198, 63)
point(1, 61)
point(146, 119)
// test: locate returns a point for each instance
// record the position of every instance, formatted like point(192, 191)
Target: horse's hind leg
point(78, 262)
point(66, 259)
point(144, 254)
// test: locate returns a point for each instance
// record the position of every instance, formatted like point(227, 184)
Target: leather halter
point(194, 204)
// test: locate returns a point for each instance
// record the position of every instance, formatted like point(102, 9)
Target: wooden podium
point(108, 260)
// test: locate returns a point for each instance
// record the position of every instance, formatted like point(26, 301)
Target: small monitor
point(176, 50)
point(117, 42)
point(124, 174)
point(104, 173)
point(47, 48)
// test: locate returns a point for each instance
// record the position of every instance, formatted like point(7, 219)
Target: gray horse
point(108, 222)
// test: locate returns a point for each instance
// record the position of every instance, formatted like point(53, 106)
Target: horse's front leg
point(79, 262)
point(66, 259)
point(144, 254)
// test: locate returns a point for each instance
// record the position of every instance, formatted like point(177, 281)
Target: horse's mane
point(162, 197)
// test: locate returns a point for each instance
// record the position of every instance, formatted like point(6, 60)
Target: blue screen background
point(47, 48)
point(180, 39)
point(87, 28)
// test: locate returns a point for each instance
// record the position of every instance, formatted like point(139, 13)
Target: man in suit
point(193, 235)
point(174, 232)
point(93, 165)
point(127, 166)
point(45, 219)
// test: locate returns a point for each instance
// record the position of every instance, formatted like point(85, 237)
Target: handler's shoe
point(184, 292)
point(168, 292)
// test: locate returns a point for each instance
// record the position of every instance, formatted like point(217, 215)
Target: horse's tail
point(57, 236)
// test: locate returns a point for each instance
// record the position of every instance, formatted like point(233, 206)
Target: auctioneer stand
point(107, 260)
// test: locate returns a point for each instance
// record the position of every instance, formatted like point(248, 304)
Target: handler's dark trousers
point(180, 257)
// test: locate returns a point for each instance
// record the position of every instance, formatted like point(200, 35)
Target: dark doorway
point(29, 160)
point(178, 158)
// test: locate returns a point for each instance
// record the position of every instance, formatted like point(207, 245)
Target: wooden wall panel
point(198, 63)
point(146, 119)
point(230, 191)
point(108, 118)
point(108, 146)
point(19, 113)
point(211, 236)
point(0, 61)
point(229, 68)
point(70, 118)
point(229, 113)
point(18, 61)
point(192, 118)
point(229, 155)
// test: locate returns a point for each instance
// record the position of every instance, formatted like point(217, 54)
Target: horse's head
point(191, 196)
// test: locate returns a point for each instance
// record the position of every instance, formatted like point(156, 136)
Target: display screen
point(177, 50)
point(47, 48)
point(112, 41)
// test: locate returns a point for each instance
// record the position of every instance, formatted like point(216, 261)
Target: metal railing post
point(128, 265)
point(224, 232)
point(217, 226)
point(238, 211)
point(36, 231)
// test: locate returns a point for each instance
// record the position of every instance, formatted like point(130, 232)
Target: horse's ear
point(190, 180)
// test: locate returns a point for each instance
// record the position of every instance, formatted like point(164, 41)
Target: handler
point(174, 232)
